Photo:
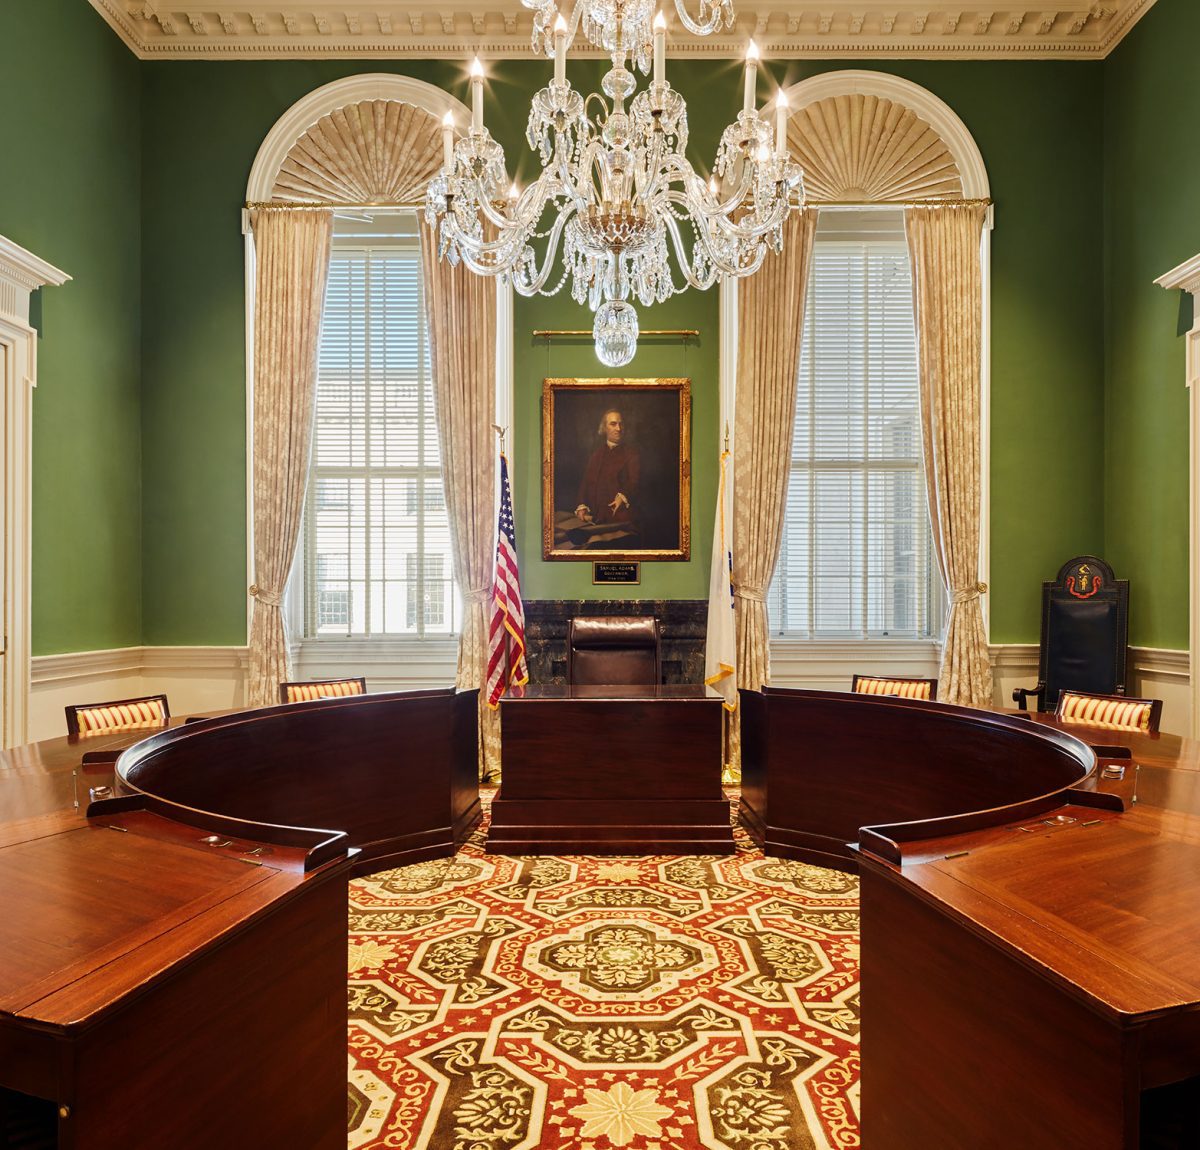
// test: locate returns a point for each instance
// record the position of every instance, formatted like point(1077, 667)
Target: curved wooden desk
point(817, 766)
point(169, 983)
point(396, 773)
point(1030, 971)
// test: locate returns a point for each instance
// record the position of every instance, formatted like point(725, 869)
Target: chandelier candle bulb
point(560, 51)
point(751, 76)
point(781, 117)
point(476, 96)
point(448, 141)
point(660, 48)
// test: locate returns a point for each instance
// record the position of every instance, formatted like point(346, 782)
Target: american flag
point(506, 638)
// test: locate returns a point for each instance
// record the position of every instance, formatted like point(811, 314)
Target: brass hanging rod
point(682, 332)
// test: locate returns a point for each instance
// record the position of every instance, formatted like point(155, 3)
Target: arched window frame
point(393, 662)
point(829, 665)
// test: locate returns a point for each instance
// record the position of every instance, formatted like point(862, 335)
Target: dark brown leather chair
point(613, 649)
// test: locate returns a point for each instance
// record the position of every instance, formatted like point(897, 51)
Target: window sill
point(389, 663)
point(831, 664)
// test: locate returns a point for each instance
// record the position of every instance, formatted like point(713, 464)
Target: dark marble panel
point(682, 624)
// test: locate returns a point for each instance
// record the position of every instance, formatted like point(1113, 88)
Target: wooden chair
point(1111, 712)
point(614, 649)
point(1085, 634)
point(307, 691)
point(119, 715)
point(902, 688)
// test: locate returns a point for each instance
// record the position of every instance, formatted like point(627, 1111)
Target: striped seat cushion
point(904, 688)
point(307, 692)
point(120, 717)
point(1112, 714)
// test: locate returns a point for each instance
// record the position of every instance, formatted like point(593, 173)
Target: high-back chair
point(900, 687)
point(310, 689)
point(1085, 634)
point(613, 649)
point(1110, 712)
point(119, 715)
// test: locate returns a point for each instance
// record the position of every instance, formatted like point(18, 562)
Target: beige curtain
point(462, 344)
point(944, 242)
point(291, 266)
point(770, 319)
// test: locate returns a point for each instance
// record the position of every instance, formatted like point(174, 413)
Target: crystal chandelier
point(616, 195)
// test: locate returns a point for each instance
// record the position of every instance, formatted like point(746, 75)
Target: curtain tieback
point(265, 597)
point(966, 594)
point(479, 594)
point(751, 594)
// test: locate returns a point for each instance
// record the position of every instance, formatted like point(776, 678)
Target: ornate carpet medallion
point(657, 1003)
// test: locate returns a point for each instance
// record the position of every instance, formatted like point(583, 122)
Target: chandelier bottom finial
point(615, 332)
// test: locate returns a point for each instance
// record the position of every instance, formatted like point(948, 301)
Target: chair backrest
point(903, 688)
point(119, 715)
point(1085, 631)
point(1111, 712)
point(616, 649)
point(310, 689)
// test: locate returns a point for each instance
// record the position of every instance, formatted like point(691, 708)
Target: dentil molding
point(226, 29)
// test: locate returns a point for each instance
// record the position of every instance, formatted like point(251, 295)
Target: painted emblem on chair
point(1089, 584)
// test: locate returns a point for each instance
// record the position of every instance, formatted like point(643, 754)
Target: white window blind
point(855, 562)
point(376, 537)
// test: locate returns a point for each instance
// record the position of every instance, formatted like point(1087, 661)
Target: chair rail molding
point(1186, 277)
point(21, 273)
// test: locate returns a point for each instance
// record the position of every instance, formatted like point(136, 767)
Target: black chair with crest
point(1085, 634)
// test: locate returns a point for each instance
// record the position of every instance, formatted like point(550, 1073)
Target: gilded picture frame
point(616, 469)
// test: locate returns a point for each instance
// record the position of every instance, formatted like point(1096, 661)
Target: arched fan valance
point(376, 151)
point(868, 148)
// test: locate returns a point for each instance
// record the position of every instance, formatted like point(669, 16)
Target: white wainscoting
point(193, 678)
point(1155, 673)
point(197, 679)
point(213, 678)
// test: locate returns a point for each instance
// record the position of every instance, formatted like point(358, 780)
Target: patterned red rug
point(654, 1003)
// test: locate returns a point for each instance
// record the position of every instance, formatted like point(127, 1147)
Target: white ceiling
point(226, 29)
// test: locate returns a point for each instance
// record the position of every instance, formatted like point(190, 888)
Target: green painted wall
point(70, 194)
point(1151, 225)
point(1037, 124)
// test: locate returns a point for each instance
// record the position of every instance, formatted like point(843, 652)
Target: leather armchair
point(613, 649)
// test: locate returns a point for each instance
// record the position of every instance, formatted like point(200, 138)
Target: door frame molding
point(21, 273)
point(1186, 277)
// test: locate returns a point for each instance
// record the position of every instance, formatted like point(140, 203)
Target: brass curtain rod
point(326, 206)
point(329, 205)
point(550, 333)
point(986, 203)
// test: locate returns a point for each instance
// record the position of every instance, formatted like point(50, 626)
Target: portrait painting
point(616, 469)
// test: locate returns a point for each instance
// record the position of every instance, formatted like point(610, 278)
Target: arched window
point(856, 566)
point(373, 570)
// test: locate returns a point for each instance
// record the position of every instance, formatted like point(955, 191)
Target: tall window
point(856, 560)
point(376, 533)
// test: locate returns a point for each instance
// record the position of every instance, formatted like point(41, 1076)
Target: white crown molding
point(228, 30)
point(21, 272)
point(1186, 277)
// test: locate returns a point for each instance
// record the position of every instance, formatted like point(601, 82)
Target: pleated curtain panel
point(944, 245)
point(770, 321)
point(291, 267)
point(385, 151)
point(462, 347)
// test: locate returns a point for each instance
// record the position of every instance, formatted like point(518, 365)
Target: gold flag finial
point(500, 431)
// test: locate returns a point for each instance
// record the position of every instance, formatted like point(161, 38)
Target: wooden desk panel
point(611, 771)
point(141, 983)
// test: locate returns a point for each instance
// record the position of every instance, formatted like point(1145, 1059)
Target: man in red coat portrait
point(609, 490)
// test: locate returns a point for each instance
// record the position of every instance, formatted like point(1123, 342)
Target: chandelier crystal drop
point(616, 199)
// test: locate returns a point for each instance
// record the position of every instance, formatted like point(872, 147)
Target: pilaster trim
point(1186, 277)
